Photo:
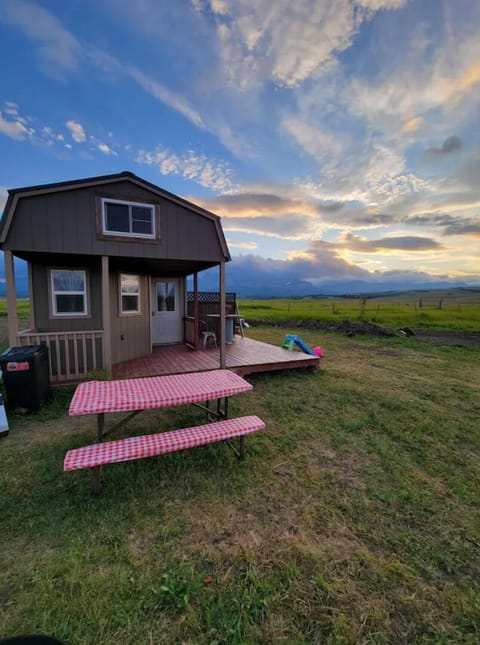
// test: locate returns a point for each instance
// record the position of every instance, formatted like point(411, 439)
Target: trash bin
point(26, 376)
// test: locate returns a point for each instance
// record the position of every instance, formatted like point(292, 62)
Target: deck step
point(162, 443)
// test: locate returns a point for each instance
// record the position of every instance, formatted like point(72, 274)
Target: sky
point(338, 140)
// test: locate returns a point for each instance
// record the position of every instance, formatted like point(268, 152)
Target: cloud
point(317, 141)
point(376, 5)
point(210, 173)
point(166, 96)
point(288, 227)
point(321, 270)
point(60, 53)
point(77, 131)
point(15, 128)
point(469, 173)
point(3, 197)
point(58, 49)
point(242, 245)
point(320, 267)
point(103, 147)
point(450, 145)
point(448, 223)
point(112, 65)
point(295, 216)
point(408, 243)
point(413, 124)
point(286, 42)
point(469, 78)
point(471, 228)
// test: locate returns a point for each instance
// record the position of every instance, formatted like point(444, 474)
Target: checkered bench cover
point(96, 397)
point(159, 444)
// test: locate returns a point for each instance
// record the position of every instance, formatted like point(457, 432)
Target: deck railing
point(73, 354)
point(190, 335)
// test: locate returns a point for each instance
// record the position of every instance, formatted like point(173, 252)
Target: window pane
point(144, 228)
point(130, 303)
point(129, 284)
point(64, 280)
point(117, 218)
point(142, 220)
point(142, 213)
point(165, 296)
point(70, 304)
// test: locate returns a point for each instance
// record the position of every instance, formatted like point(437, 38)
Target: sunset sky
point(339, 140)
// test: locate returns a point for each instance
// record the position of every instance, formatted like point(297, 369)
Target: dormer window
point(128, 219)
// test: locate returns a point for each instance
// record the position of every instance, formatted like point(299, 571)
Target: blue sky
point(338, 140)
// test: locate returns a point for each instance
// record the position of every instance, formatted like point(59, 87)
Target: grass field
point(23, 307)
point(455, 310)
point(354, 519)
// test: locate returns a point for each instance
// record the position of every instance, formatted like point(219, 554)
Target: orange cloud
point(470, 77)
point(412, 125)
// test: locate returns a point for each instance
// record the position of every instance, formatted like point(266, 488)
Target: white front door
point(167, 311)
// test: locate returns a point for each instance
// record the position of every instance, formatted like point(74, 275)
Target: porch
point(244, 356)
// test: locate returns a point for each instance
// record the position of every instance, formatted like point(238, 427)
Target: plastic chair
point(207, 336)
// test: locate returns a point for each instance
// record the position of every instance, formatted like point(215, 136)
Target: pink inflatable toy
point(318, 351)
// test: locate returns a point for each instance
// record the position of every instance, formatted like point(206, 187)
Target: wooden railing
point(72, 354)
point(190, 335)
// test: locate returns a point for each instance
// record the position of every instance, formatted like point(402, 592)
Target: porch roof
point(160, 266)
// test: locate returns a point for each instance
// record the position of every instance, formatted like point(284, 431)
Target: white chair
point(208, 337)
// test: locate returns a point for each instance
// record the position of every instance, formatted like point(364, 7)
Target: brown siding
point(41, 298)
point(65, 222)
point(130, 334)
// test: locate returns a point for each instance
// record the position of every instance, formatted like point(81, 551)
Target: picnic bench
point(136, 395)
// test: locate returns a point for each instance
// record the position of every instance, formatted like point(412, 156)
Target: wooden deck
point(244, 356)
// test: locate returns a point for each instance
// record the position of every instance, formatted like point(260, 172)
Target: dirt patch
point(455, 338)
point(345, 326)
point(350, 328)
point(345, 471)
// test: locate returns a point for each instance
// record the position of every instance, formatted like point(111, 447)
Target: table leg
point(97, 482)
point(225, 408)
point(241, 448)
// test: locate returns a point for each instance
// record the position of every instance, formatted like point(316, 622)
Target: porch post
point(107, 330)
point(11, 298)
point(222, 316)
point(30, 295)
point(196, 310)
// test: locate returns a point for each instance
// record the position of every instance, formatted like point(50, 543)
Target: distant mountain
point(21, 277)
point(272, 286)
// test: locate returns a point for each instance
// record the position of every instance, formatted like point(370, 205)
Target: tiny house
point(108, 260)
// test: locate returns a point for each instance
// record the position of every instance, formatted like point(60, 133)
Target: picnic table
point(135, 395)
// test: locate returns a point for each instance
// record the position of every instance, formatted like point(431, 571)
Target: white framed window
point(128, 219)
point(69, 292)
point(129, 294)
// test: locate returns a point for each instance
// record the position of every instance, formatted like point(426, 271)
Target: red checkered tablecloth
point(159, 444)
point(126, 395)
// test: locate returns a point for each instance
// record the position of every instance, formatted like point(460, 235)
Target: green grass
point(354, 519)
point(402, 311)
point(23, 307)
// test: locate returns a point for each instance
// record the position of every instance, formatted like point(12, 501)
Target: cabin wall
point(66, 222)
point(42, 302)
point(130, 333)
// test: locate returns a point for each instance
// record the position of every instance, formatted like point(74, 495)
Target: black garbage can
point(26, 376)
